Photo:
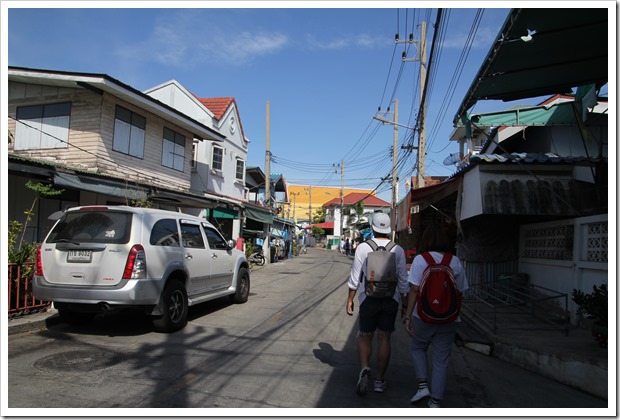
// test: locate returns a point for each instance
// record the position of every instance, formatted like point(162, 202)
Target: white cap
point(381, 223)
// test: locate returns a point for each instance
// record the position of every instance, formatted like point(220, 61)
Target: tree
point(317, 232)
point(319, 215)
point(18, 250)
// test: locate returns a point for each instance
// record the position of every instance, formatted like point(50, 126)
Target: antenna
point(452, 159)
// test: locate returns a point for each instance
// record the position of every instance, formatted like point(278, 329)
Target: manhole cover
point(79, 361)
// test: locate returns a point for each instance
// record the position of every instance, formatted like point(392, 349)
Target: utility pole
point(310, 204)
point(394, 172)
point(422, 142)
point(422, 59)
point(342, 198)
point(267, 163)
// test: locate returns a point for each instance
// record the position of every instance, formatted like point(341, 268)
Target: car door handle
point(214, 255)
point(189, 256)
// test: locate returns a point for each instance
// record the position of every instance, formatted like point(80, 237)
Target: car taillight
point(135, 268)
point(39, 264)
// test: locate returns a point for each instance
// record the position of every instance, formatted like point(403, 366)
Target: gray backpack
point(380, 278)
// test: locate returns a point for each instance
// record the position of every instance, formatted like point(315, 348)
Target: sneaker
point(422, 393)
point(362, 382)
point(380, 386)
point(433, 403)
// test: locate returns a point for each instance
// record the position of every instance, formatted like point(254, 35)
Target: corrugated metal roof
point(528, 158)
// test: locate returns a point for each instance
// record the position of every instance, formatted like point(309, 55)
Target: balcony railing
point(21, 298)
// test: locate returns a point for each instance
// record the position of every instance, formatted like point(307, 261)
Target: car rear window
point(94, 226)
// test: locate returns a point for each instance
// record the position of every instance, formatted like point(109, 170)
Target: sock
point(422, 384)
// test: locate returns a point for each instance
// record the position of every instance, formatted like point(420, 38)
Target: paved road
point(291, 350)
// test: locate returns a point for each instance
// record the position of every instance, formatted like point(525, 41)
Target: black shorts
point(378, 313)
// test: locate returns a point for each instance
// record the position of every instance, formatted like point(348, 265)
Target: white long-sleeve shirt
point(356, 278)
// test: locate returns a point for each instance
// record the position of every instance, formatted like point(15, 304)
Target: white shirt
point(356, 278)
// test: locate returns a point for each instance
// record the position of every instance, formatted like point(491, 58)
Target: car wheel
point(243, 287)
point(173, 308)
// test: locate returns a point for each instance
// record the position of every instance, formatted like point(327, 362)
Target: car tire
point(174, 308)
point(243, 287)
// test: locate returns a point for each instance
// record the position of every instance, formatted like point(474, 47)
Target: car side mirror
point(231, 244)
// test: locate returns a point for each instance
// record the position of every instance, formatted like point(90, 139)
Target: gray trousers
point(441, 338)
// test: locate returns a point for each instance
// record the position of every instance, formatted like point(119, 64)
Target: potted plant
point(594, 306)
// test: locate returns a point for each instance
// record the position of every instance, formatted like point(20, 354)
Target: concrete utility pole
point(310, 204)
point(394, 171)
point(342, 198)
point(267, 163)
point(422, 59)
point(422, 142)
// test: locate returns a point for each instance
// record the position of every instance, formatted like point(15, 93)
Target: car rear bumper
point(128, 293)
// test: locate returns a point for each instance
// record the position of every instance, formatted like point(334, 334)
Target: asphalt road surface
point(289, 351)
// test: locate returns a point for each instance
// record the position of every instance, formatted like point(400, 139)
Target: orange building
point(304, 199)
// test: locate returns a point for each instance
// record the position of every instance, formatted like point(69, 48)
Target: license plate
point(80, 256)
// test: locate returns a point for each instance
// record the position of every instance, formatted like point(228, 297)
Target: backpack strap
point(390, 245)
point(429, 259)
point(447, 257)
point(373, 245)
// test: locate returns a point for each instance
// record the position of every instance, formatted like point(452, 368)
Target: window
point(173, 153)
point(93, 227)
point(240, 170)
point(42, 126)
point(129, 132)
point(165, 233)
point(217, 158)
point(191, 236)
point(194, 155)
point(214, 238)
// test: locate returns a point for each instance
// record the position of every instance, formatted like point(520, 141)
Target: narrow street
point(292, 346)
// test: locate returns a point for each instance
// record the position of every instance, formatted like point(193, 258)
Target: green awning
point(558, 114)
point(224, 213)
point(264, 216)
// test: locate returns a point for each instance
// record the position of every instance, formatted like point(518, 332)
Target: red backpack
point(439, 301)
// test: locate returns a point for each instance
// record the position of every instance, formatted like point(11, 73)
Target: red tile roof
point(217, 105)
point(353, 198)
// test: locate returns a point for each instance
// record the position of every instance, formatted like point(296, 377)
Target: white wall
point(588, 266)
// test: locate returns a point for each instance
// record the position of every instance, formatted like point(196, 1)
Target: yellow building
point(304, 199)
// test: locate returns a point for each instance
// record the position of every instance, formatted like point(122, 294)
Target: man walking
point(376, 313)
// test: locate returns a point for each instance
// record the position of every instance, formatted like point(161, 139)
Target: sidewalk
point(574, 359)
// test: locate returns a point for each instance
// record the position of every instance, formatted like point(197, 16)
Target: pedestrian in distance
point(437, 331)
point(378, 300)
point(347, 247)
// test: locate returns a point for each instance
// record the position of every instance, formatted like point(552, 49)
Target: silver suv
point(100, 257)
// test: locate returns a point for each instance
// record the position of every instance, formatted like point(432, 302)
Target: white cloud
point(189, 40)
point(348, 41)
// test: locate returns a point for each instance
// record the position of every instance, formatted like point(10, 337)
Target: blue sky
point(325, 71)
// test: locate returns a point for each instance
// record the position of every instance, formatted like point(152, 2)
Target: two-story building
point(100, 141)
point(218, 168)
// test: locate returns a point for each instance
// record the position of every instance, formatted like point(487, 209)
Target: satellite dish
point(452, 159)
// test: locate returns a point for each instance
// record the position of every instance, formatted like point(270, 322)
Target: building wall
point(85, 121)
point(203, 178)
point(299, 198)
point(565, 255)
point(91, 134)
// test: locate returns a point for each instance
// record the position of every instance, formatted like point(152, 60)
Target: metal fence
point(21, 298)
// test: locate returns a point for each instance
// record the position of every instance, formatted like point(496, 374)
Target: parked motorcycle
point(257, 257)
